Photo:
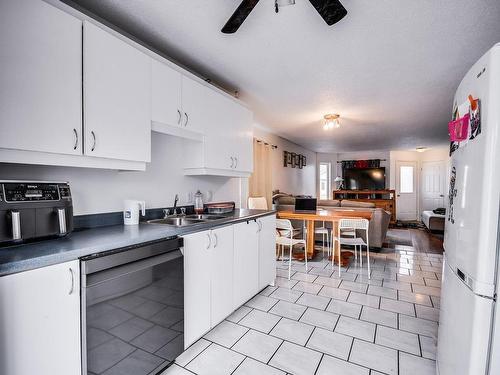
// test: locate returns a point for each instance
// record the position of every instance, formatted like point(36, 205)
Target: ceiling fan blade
point(332, 11)
point(239, 15)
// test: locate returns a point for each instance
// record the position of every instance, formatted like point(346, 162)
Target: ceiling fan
point(332, 11)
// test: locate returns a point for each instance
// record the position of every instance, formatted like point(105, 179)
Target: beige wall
point(289, 180)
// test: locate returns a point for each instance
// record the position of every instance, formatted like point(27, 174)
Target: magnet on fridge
point(458, 129)
point(475, 118)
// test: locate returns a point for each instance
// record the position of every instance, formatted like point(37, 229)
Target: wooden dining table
point(324, 215)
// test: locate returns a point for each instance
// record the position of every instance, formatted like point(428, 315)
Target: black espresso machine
point(32, 210)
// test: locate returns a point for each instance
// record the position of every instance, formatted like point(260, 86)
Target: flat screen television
point(364, 179)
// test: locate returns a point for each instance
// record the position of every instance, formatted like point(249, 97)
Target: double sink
point(181, 221)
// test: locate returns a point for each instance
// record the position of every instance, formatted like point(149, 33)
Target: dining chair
point(257, 203)
point(325, 232)
point(351, 226)
point(284, 237)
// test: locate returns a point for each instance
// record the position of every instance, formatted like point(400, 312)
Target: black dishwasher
point(133, 308)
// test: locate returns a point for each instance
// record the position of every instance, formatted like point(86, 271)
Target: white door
point(267, 251)
point(40, 321)
point(406, 190)
point(166, 94)
point(40, 78)
point(197, 274)
point(222, 274)
point(246, 262)
point(432, 185)
point(117, 97)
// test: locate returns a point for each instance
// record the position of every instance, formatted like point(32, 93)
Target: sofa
point(379, 223)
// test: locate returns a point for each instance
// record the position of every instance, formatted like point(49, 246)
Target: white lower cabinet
point(40, 321)
point(222, 270)
point(246, 262)
point(267, 251)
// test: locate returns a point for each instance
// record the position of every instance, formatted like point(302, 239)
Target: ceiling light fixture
point(331, 121)
point(282, 3)
point(421, 149)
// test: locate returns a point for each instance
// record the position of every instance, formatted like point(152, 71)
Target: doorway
point(406, 190)
point(432, 185)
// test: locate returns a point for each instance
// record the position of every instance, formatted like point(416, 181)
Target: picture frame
point(298, 160)
point(301, 161)
point(286, 158)
point(304, 160)
point(293, 161)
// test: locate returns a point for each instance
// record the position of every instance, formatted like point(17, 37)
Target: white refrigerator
point(469, 326)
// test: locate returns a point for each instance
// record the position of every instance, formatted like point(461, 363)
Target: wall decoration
point(294, 160)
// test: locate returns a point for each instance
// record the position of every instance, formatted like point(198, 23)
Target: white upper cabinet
point(40, 315)
point(166, 95)
point(117, 97)
point(40, 78)
point(198, 103)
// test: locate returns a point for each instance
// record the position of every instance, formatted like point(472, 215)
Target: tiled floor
point(322, 323)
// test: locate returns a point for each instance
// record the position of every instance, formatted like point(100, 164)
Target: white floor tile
point(239, 314)
point(396, 339)
point(352, 310)
point(226, 333)
point(429, 347)
point(252, 367)
point(286, 294)
point(302, 276)
point(400, 307)
point(328, 281)
point(296, 359)
point(329, 342)
point(356, 328)
point(288, 310)
point(311, 300)
point(426, 312)
point(375, 357)
point(421, 299)
point(386, 318)
point(364, 299)
point(257, 345)
point(353, 286)
point(176, 370)
point(421, 326)
point(285, 283)
point(333, 292)
point(429, 290)
point(259, 320)
point(330, 365)
point(191, 352)
point(261, 302)
point(215, 360)
point(319, 318)
point(382, 292)
point(293, 331)
point(412, 365)
point(304, 286)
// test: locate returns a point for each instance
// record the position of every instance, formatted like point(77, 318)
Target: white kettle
point(131, 211)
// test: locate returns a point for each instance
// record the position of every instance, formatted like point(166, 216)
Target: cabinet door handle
point(187, 119)
point(72, 274)
point(76, 139)
point(236, 161)
point(260, 225)
point(209, 241)
point(216, 240)
point(232, 162)
point(94, 140)
point(180, 117)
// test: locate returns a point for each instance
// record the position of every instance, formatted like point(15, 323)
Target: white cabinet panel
point(197, 105)
point(197, 274)
point(117, 97)
point(267, 251)
point(166, 95)
point(222, 274)
point(246, 262)
point(40, 78)
point(40, 315)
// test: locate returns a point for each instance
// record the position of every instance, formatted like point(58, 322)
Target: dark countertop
point(78, 244)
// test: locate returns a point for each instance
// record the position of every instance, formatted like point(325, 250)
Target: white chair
point(350, 226)
point(284, 237)
point(325, 232)
point(257, 203)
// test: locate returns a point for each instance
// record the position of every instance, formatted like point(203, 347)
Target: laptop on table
point(305, 204)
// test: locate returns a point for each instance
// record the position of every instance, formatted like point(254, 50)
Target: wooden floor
point(421, 241)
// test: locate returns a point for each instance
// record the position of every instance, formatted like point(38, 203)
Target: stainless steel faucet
point(166, 211)
point(176, 199)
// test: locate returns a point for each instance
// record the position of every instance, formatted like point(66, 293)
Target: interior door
point(432, 185)
point(406, 190)
point(40, 78)
point(117, 97)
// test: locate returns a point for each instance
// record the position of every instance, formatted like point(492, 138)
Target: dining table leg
point(310, 239)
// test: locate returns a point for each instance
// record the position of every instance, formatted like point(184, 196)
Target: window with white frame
point(324, 180)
